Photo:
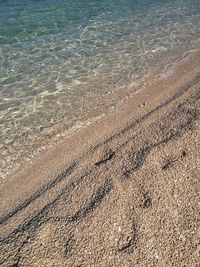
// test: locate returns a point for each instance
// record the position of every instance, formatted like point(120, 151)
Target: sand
point(122, 192)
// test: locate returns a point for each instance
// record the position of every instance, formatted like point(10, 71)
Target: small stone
point(142, 105)
point(119, 229)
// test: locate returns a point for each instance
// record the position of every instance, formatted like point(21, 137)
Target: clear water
point(62, 59)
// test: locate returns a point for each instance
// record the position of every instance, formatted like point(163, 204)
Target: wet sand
point(122, 192)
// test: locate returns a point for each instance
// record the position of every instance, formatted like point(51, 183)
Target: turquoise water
point(63, 60)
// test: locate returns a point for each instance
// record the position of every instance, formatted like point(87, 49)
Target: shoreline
point(112, 187)
point(15, 157)
point(170, 79)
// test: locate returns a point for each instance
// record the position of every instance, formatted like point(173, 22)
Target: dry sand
point(122, 192)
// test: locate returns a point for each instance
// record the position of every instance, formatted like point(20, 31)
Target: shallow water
point(64, 60)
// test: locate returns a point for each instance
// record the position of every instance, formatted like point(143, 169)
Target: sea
point(67, 63)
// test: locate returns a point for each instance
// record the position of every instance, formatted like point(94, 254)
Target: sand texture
point(129, 198)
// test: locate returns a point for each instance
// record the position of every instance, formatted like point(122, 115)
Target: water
point(63, 61)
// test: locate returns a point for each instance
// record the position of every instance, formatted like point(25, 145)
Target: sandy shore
point(122, 192)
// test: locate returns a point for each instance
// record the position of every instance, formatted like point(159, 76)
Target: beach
point(123, 191)
point(66, 64)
